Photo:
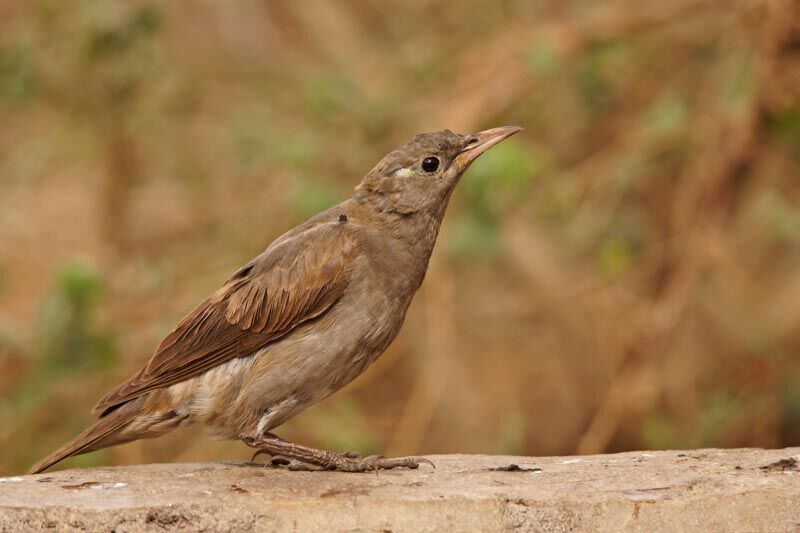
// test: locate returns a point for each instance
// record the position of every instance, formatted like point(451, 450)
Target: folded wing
point(294, 281)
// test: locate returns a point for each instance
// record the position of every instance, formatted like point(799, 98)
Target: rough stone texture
point(700, 490)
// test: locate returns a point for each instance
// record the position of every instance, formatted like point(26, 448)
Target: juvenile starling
point(299, 321)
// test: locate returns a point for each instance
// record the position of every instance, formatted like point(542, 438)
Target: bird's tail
point(90, 439)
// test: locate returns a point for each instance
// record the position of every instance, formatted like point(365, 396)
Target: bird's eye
point(430, 164)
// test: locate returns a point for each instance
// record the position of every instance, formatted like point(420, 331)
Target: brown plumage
point(262, 301)
point(299, 321)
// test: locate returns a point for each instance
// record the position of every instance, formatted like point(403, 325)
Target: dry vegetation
point(622, 275)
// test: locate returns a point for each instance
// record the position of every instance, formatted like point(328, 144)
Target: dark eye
point(429, 164)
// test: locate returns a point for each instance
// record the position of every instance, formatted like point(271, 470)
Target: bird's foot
point(297, 457)
point(346, 463)
point(280, 460)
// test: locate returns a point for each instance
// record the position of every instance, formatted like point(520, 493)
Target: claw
point(422, 460)
point(373, 461)
point(258, 452)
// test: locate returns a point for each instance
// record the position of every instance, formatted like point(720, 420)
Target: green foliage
point(473, 236)
point(555, 203)
point(328, 94)
point(789, 399)
point(297, 152)
point(511, 434)
point(496, 183)
point(659, 433)
point(249, 135)
point(667, 117)
point(615, 256)
point(542, 59)
point(3, 276)
point(785, 126)
point(310, 196)
point(342, 425)
point(18, 83)
point(428, 65)
point(501, 178)
point(777, 216)
point(112, 38)
point(719, 412)
point(72, 340)
point(98, 458)
point(790, 393)
point(120, 49)
point(93, 50)
point(627, 172)
point(596, 69)
point(742, 82)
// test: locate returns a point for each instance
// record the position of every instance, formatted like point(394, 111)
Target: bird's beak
point(482, 141)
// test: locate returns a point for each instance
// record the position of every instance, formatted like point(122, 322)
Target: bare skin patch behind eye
point(404, 173)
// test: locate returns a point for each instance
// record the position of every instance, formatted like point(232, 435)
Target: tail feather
point(88, 440)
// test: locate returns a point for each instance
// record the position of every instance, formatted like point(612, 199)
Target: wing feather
point(294, 281)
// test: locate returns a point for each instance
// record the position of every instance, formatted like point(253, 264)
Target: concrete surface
point(698, 490)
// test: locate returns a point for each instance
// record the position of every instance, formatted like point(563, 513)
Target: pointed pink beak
point(482, 141)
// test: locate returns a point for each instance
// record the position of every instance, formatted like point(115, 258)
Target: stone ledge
point(698, 490)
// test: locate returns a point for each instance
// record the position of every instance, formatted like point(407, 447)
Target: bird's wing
point(295, 280)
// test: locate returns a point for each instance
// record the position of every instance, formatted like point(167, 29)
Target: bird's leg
point(276, 459)
point(304, 458)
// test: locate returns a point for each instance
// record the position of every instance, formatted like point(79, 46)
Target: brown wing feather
point(295, 280)
point(89, 437)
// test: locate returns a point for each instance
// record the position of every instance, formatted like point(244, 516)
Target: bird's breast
point(254, 394)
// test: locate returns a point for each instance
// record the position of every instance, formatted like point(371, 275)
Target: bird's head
point(422, 174)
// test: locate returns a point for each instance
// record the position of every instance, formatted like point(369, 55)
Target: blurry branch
point(724, 148)
point(123, 171)
point(551, 280)
point(333, 34)
point(109, 123)
point(326, 21)
point(92, 67)
point(284, 23)
point(493, 71)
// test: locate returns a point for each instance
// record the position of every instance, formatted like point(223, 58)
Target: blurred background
point(625, 274)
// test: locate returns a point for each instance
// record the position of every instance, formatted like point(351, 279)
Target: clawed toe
point(304, 467)
point(423, 461)
point(349, 462)
point(297, 457)
point(257, 453)
point(377, 462)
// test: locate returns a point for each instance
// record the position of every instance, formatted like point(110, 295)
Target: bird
point(299, 321)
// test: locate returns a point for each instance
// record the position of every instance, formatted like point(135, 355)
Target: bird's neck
point(413, 231)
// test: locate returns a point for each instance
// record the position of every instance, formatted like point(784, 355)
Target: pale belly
point(251, 395)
